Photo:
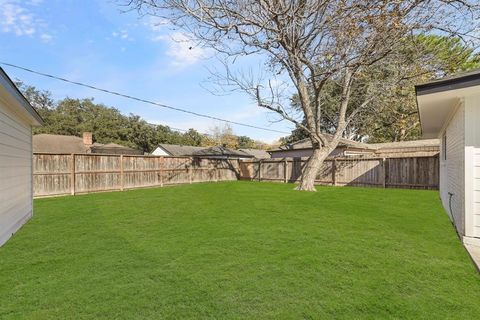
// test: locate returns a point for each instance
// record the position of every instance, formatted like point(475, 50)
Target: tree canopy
point(315, 44)
point(396, 118)
point(75, 116)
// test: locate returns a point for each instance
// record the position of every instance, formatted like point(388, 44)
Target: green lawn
point(239, 250)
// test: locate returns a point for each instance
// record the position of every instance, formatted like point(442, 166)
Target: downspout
point(450, 195)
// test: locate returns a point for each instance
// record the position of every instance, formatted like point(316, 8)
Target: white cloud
point(182, 49)
point(17, 17)
point(156, 24)
point(248, 113)
point(181, 46)
point(122, 34)
point(45, 37)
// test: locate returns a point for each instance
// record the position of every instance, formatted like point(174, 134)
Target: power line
point(175, 129)
point(166, 125)
point(140, 99)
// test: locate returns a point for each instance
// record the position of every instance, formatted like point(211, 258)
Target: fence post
point(384, 172)
point(285, 171)
point(190, 170)
point(334, 172)
point(121, 173)
point(160, 170)
point(260, 170)
point(72, 175)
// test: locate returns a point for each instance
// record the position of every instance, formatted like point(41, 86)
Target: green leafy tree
point(428, 58)
point(395, 117)
point(75, 116)
point(244, 142)
point(222, 136)
point(193, 138)
point(41, 100)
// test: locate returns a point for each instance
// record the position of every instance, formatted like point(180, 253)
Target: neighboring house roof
point(406, 144)
point(179, 150)
point(373, 147)
point(114, 145)
point(188, 151)
point(257, 153)
point(55, 143)
point(222, 152)
point(307, 144)
point(9, 89)
point(113, 148)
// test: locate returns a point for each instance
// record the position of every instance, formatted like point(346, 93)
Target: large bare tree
point(314, 42)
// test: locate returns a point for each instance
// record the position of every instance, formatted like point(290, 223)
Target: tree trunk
point(307, 182)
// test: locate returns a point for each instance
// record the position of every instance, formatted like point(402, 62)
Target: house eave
point(448, 84)
point(435, 109)
point(10, 92)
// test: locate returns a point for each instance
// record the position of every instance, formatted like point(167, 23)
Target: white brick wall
point(453, 170)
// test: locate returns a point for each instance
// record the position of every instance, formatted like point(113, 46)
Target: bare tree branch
point(314, 42)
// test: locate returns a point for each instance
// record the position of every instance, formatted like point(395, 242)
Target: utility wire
point(140, 99)
point(175, 129)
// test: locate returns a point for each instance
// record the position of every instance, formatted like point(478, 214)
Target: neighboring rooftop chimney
point(87, 138)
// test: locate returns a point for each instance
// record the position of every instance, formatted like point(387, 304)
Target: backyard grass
point(239, 250)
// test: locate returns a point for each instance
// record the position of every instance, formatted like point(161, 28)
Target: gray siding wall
point(15, 172)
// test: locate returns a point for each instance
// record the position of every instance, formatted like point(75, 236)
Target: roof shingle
point(307, 144)
point(222, 151)
point(179, 150)
point(56, 143)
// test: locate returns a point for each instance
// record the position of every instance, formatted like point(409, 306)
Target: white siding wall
point(452, 174)
point(472, 162)
point(159, 152)
point(15, 172)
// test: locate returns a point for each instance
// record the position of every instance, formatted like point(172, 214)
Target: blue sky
point(92, 41)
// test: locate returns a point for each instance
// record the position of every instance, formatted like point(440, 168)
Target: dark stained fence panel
point(407, 172)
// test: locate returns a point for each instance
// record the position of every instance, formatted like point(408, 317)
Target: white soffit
point(435, 108)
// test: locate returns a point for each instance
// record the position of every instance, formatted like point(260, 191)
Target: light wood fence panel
point(60, 174)
point(249, 170)
point(364, 172)
point(325, 175)
point(95, 173)
point(141, 172)
point(52, 174)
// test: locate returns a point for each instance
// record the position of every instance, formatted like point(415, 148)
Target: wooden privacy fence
point(410, 173)
point(60, 174)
